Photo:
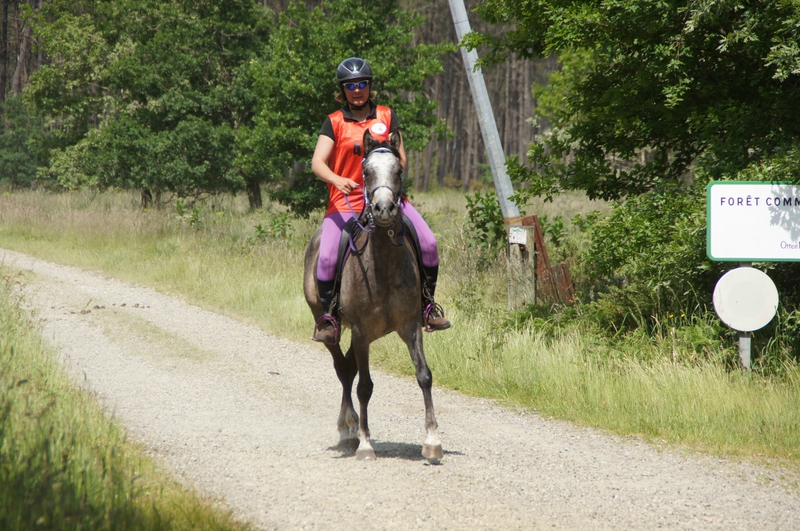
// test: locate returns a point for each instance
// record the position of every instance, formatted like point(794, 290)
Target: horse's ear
point(395, 140)
point(369, 142)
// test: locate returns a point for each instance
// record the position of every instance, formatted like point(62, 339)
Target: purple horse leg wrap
point(427, 241)
point(332, 227)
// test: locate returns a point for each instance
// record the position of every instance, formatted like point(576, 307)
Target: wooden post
point(521, 267)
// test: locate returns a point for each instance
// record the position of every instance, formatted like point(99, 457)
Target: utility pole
point(491, 138)
point(522, 284)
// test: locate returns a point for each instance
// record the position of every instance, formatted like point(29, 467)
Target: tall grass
point(64, 464)
point(664, 387)
point(702, 405)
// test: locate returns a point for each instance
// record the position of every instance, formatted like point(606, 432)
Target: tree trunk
point(253, 193)
point(147, 198)
point(39, 55)
point(427, 166)
point(4, 51)
point(21, 71)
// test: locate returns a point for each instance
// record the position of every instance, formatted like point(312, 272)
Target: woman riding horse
point(337, 161)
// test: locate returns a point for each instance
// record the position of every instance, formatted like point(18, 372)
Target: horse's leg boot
point(326, 330)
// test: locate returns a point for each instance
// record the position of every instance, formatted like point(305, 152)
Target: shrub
point(647, 259)
point(485, 223)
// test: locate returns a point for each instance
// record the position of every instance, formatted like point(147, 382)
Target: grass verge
point(64, 464)
point(249, 265)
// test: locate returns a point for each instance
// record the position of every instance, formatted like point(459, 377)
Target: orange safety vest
point(348, 154)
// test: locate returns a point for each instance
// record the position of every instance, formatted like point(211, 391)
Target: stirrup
point(333, 322)
point(433, 309)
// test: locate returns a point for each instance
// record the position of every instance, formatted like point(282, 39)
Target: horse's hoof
point(432, 453)
point(348, 445)
point(365, 455)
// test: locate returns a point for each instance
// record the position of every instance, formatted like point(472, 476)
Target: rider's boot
point(432, 313)
point(326, 329)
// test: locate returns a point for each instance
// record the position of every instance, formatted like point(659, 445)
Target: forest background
point(454, 159)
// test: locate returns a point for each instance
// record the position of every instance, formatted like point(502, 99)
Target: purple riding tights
point(332, 227)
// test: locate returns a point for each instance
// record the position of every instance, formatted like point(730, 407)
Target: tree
point(652, 89)
point(147, 93)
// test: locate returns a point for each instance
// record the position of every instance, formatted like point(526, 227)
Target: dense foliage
point(651, 89)
point(195, 97)
point(144, 93)
point(653, 100)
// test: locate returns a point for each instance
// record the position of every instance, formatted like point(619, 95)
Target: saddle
point(350, 233)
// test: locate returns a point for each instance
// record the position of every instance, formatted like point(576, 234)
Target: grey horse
point(379, 294)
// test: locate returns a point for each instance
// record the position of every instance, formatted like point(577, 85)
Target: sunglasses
point(352, 86)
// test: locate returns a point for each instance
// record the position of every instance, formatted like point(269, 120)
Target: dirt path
point(250, 418)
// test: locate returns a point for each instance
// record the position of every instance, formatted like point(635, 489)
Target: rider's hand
point(345, 185)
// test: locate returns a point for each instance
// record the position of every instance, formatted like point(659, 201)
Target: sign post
point(750, 222)
point(745, 299)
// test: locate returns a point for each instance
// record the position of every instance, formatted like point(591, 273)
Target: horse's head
point(383, 177)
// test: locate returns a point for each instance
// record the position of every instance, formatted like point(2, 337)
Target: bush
point(647, 259)
point(643, 271)
point(485, 224)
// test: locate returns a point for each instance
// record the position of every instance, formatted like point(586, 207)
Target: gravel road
point(250, 418)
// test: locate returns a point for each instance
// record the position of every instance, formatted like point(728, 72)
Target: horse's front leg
point(347, 423)
point(432, 447)
point(360, 348)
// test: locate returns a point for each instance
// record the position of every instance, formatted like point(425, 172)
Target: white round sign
point(746, 299)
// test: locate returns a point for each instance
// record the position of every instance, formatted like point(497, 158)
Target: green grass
point(64, 464)
point(655, 388)
point(702, 405)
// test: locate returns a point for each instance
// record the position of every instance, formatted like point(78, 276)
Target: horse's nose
point(385, 211)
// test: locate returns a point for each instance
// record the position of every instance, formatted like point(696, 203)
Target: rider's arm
point(319, 165)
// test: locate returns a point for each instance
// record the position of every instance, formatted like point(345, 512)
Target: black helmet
point(353, 68)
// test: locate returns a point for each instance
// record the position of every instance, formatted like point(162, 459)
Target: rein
point(366, 230)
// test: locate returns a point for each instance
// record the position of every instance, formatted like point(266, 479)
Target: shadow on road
point(388, 449)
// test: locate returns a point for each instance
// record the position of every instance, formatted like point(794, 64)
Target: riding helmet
point(353, 68)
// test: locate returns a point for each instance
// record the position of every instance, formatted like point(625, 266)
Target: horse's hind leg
point(432, 447)
point(346, 370)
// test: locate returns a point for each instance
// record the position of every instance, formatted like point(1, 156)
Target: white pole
point(744, 337)
point(744, 349)
point(491, 138)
